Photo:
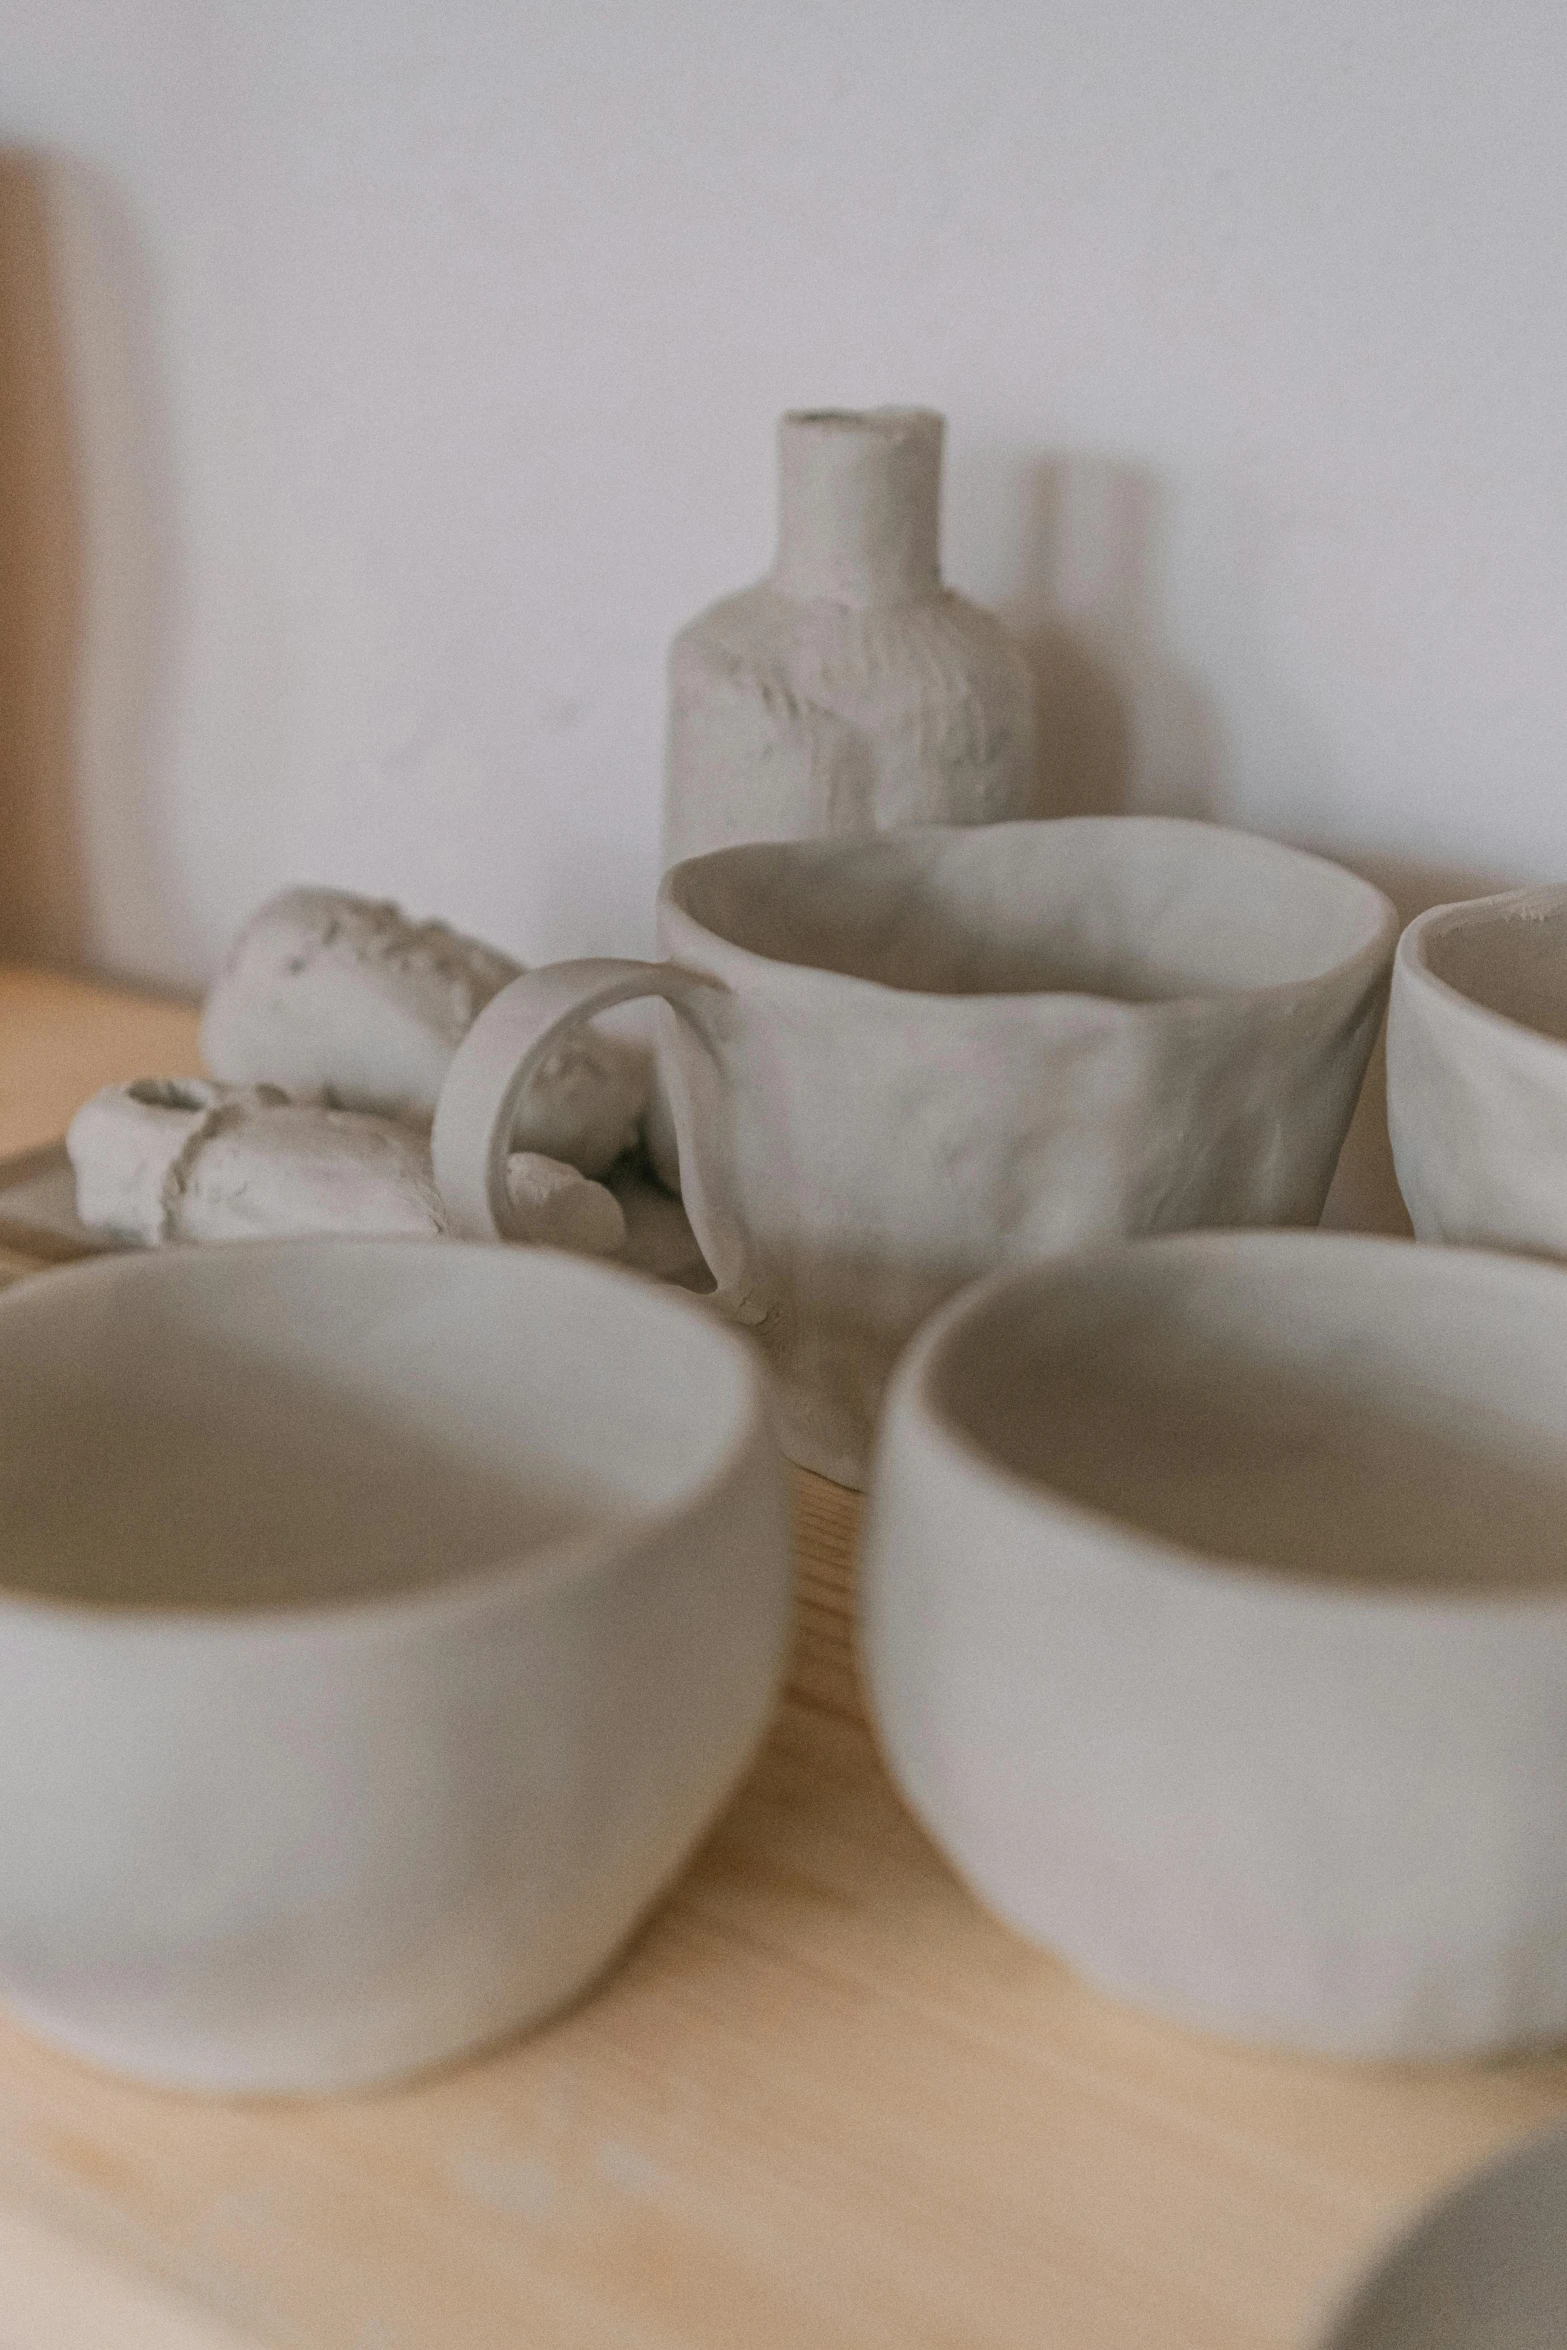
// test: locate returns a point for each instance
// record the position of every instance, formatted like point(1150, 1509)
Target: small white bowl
point(1215, 1620)
point(381, 1624)
point(1477, 1071)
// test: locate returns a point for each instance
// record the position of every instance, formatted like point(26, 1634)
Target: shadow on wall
point(86, 524)
point(1122, 726)
point(1109, 695)
point(42, 909)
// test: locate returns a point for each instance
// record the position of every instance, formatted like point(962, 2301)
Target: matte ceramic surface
point(382, 1623)
point(181, 1158)
point(848, 691)
point(1484, 2269)
point(895, 1063)
point(1477, 1071)
point(346, 997)
point(1214, 1617)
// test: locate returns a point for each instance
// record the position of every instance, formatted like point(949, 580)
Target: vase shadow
point(1122, 725)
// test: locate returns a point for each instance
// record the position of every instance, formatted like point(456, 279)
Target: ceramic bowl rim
point(912, 1400)
point(573, 1558)
point(1374, 951)
point(1411, 962)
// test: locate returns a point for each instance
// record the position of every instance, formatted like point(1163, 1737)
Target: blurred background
point(382, 384)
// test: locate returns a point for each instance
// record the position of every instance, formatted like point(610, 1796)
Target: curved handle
point(508, 1043)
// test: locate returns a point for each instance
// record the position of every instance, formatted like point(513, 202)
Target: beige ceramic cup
point(1214, 1615)
point(895, 1062)
point(381, 1624)
point(1477, 1071)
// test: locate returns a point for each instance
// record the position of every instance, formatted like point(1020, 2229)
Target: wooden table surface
point(825, 2103)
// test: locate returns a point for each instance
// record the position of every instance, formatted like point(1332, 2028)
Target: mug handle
point(508, 1043)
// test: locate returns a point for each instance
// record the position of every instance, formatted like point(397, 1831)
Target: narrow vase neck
point(859, 496)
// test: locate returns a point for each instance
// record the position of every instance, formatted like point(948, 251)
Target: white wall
point(425, 359)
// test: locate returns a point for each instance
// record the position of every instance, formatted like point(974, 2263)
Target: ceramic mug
point(1477, 1071)
point(893, 1062)
point(1213, 1612)
point(382, 1622)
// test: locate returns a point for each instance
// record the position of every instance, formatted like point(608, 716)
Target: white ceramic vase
point(848, 691)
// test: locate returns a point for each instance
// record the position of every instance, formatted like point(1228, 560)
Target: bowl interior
point(280, 1424)
point(1359, 1411)
point(1128, 907)
point(1511, 959)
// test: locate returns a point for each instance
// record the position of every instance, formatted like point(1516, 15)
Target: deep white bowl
point(1215, 1619)
point(1477, 1071)
point(381, 1624)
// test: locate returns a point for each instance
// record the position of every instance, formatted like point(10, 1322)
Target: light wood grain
point(61, 1039)
point(824, 2102)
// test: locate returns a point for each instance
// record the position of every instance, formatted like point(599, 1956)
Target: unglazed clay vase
point(894, 1063)
point(1214, 1618)
point(381, 1624)
point(1485, 2268)
point(848, 691)
point(1477, 1071)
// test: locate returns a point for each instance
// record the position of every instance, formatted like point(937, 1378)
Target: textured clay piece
point(168, 1159)
point(1214, 1617)
point(848, 691)
point(345, 997)
point(554, 1205)
point(1477, 1071)
point(183, 1159)
point(382, 1625)
point(895, 1063)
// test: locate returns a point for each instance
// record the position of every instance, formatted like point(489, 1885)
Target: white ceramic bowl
point(1477, 1071)
point(381, 1624)
point(1215, 1619)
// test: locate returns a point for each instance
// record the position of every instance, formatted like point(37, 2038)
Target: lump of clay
point(345, 996)
point(552, 1203)
point(178, 1158)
